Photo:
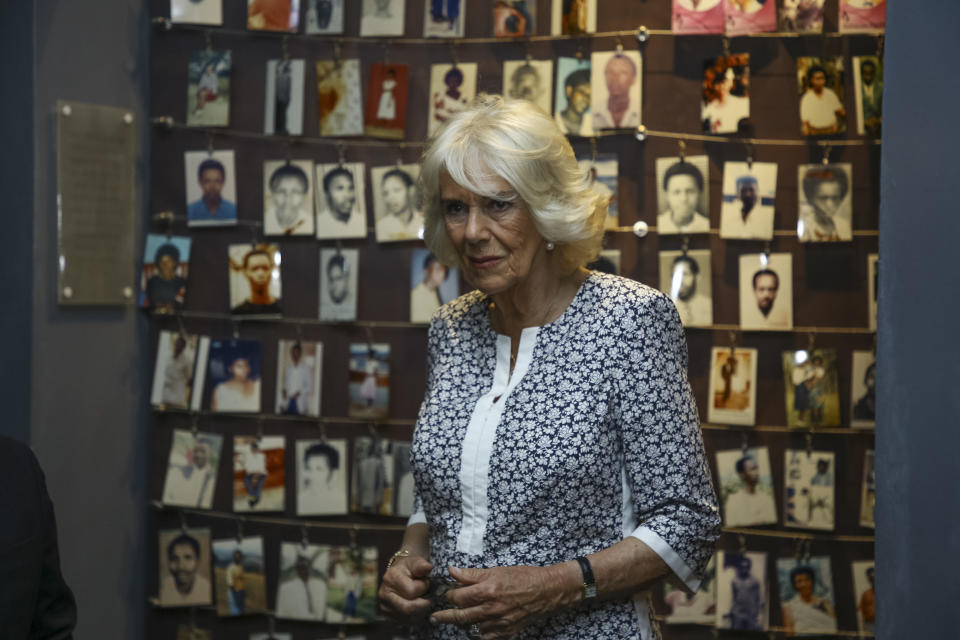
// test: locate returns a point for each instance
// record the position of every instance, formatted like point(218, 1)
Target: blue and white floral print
point(597, 437)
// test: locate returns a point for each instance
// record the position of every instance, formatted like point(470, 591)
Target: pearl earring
point(551, 246)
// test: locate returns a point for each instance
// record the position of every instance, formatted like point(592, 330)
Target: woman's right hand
point(404, 587)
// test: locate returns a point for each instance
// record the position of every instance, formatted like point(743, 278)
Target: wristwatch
point(589, 582)
point(402, 553)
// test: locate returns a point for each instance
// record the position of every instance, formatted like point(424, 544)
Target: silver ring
point(474, 631)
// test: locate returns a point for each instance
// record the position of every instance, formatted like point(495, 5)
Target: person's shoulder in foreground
point(35, 602)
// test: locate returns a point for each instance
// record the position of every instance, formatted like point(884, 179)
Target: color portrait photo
point(806, 595)
point(863, 390)
point(809, 481)
point(572, 17)
point(163, 281)
point(725, 101)
point(572, 103)
point(432, 284)
point(233, 376)
point(352, 585)
point(185, 568)
point(746, 487)
point(238, 567)
point(615, 89)
point(191, 478)
point(868, 489)
point(749, 16)
point(208, 89)
point(801, 16)
point(299, 367)
point(211, 188)
point(811, 389)
point(339, 105)
point(868, 93)
point(258, 473)
point(821, 90)
point(863, 16)
point(697, 16)
point(173, 374)
point(254, 272)
point(444, 18)
point(369, 377)
point(733, 386)
point(386, 110)
point(742, 592)
point(452, 88)
point(695, 608)
point(514, 18)
point(273, 15)
point(864, 595)
point(373, 476)
point(604, 175)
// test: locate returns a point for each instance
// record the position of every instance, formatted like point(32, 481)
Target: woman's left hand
point(503, 600)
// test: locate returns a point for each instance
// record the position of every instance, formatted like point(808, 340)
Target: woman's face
point(396, 195)
point(803, 584)
point(240, 369)
point(496, 240)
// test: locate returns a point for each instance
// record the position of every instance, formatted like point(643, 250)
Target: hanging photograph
point(241, 585)
point(254, 279)
point(191, 478)
point(283, 110)
point(163, 281)
point(725, 102)
point(338, 284)
point(352, 585)
point(396, 202)
point(369, 378)
point(733, 386)
point(323, 17)
point(863, 390)
point(742, 601)
point(234, 370)
point(685, 277)
point(211, 188)
point(766, 291)
point(806, 595)
point(864, 596)
point(452, 88)
point(749, 16)
point(812, 396)
point(514, 18)
point(529, 80)
point(873, 289)
point(432, 284)
point(341, 206)
point(825, 202)
point(386, 112)
point(402, 480)
point(444, 18)
point(288, 198)
point(809, 489)
point(173, 373)
point(863, 16)
point(339, 105)
point(302, 582)
point(615, 89)
point(572, 104)
point(271, 636)
point(185, 568)
point(321, 477)
point(696, 16)
point(683, 195)
point(821, 91)
point(608, 261)
point(603, 172)
point(273, 15)
point(746, 487)
point(258, 473)
point(299, 369)
point(208, 89)
point(868, 94)
point(192, 632)
point(196, 12)
point(801, 16)
point(372, 486)
point(749, 191)
point(696, 608)
point(868, 491)
point(382, 18)
point(573, 17)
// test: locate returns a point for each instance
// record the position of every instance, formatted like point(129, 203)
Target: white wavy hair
point(515, 140)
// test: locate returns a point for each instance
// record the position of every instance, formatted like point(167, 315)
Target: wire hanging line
point(796, 535)
point(773, 632)
point(837, 431)
point(286, 522)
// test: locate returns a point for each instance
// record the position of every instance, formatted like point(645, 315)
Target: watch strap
point(589, 582)
point(402, 553)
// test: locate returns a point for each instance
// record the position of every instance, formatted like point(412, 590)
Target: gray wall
point(918, 492)
point(87, 408)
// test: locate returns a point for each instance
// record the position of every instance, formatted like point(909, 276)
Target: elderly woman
point(558, 464)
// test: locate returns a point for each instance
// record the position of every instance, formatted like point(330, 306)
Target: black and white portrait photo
point(302, 583)
point(733, 386)
point(452, 88)
point(396, 202)
point(341, 205)
point(283, 110)
point(211, 188)
point(615, 90)
point(322, 474)
point(174, 370)
point(254, 279)
point(323, 17)
point(825, 208)
point(749, 191)
point(196, 11)
point(572, 104)
point(299, 367)
point(863, 390)
point(192, 469)
point(382, 18)
point(338, 284)
point(288, 198)
point(185, 568)
point(809, 483)
point(766, 291)
point(746, 487)
point(685, 277)
point(529, 80)
point(234, 372)
point(372, 486)
point(683, 195)
point(742, 592)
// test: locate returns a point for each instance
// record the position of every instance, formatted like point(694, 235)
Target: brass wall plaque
point(96, 204)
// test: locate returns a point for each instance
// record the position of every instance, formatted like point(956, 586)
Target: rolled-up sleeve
point(665, 468)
